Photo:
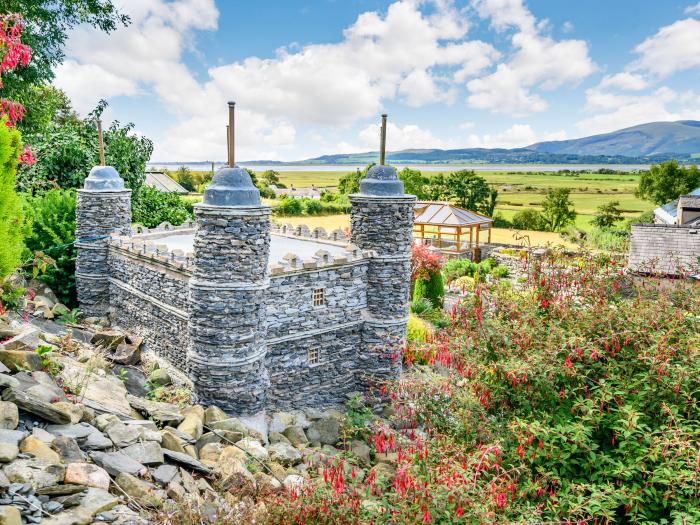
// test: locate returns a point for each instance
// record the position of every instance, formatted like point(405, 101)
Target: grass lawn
point(517, 191)
point(499, 235)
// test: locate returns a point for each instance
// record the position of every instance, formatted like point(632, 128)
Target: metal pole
point(228, 145)
point(382, 144)
point(231, 135)
point(101, 141)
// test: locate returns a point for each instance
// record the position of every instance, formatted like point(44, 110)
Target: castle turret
point(382, 222)
point(226, 360)
point(103, 208)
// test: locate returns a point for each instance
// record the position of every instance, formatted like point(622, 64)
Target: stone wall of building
point(226, 358)
point(664, 249)
point(290, 299)
point(383, 226)
point(322, 382)
point(149, 296)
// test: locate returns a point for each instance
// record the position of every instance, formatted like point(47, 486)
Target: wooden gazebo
point(454, 231)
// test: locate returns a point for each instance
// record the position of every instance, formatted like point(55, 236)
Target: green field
point(519, 191)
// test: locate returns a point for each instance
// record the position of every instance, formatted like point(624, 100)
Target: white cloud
point(517, 136)
point(567, 27)
point(621, 111)
point(408, 136)
point(693, 9)
point(538, 61)
point(624, 80)
point(673, 48)
point(409, 53)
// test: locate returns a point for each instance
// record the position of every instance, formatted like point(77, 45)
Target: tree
point(558, 210)
point(667, 181)
point(528, 220)
point(184, 177)
point(467, 190)
point(46, 104)
point(48, 23)
point(350, 183)
point(414, 183)
point(608, 214)
point(271, 177)
point(68, 148)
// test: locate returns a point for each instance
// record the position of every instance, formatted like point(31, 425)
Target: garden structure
point(454, 231)
point(256, 317)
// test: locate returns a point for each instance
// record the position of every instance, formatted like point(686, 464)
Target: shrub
point(425, 261)
point(289, 207)
point(51, 225)
point(571, 401)
point(528, 220)
point(432, 289)
point(609, 240)
point(421, 305)
point(418, 330)
point(312, 207)
point(11, 216)
point(500, 271)
point(152, 207)
point(456, 268)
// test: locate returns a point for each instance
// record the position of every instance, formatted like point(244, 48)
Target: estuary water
point(421, 167)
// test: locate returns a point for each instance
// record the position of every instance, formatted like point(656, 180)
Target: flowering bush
point(572, 401)
point(425, 261)
point(13, 53)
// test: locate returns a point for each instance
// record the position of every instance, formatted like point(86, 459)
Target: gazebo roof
point(445, 214)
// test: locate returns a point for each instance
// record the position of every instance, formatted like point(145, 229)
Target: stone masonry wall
point(226, 359)
point(384, 226)
point(149, 298)
point(98, 214)
point(664, 249)
point(290, 308)
point(297, 383)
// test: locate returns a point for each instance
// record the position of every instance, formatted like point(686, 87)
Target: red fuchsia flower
point(521, 451)
point(567, 362)
point(501, 500)
point(27, 158)
point(459, 511)
point(426, 517)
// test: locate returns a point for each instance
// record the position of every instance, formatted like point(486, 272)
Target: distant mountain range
point(654, 138)
point(643, 144)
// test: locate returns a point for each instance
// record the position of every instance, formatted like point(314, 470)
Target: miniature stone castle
point(257, 317)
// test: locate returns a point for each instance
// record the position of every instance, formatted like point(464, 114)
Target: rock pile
point(80, 443)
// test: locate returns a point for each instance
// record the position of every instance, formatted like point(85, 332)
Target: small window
point(313, 356)
point(318, 296)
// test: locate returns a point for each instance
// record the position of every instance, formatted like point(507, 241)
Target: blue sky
point(312, 77)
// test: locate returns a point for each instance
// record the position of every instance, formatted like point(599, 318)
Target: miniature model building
point(257, 317)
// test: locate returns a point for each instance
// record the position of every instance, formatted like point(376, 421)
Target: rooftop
point(445, 214)
point(669, 212)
